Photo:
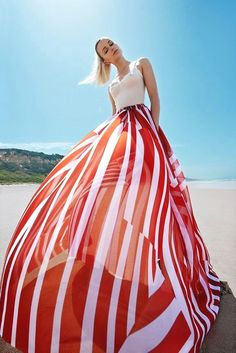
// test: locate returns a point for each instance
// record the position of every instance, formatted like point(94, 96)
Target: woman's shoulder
point(143, 60)
point(140, 63)
point(143, 63)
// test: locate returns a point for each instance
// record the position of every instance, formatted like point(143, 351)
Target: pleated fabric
point(107, 256)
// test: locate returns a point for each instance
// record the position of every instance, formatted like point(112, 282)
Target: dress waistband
point(129, 107)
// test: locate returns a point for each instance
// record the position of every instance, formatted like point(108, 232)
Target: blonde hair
point(100, 72)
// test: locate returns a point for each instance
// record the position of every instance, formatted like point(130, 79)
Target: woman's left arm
point(151, 85)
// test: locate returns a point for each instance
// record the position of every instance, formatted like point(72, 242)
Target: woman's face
point(108, 50)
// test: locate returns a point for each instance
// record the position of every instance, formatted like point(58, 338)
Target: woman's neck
point(121, 65)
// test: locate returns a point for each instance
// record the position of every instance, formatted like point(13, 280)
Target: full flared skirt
point(107, 256)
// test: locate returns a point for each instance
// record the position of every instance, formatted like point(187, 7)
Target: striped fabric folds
point(107, 256)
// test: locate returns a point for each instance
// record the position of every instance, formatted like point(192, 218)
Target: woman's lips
point(115, 51)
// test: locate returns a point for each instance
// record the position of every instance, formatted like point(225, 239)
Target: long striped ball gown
point(107, 256)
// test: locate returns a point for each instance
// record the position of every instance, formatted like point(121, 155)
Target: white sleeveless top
point(130, 90)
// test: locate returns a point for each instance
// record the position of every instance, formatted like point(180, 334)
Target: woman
point(107, 256)
point(110, 53)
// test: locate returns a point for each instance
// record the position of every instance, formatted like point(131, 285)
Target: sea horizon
point(216, 183)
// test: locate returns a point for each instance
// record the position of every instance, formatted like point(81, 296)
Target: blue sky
point(48, 46)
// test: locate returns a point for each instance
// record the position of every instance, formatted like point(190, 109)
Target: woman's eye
point(110, 44)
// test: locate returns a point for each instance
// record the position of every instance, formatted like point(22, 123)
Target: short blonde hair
point(100, 72)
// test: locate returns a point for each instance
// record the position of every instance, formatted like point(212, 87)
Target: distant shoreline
point(229, 184)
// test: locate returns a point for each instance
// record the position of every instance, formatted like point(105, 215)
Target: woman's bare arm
point(112, 102)
point(151, 85)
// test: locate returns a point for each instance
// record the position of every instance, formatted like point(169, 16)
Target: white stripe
point(76, 241)
point(203, 255)
point(214, 278)
point(103, 247)
point(209, 298)
point(160, 211)
point(200, 313)
point(216, 297)
point(167, 259)
point(156, 167)
point(134, 286)
point(189, 342)
point(98, 177)
point(116, 289)
point(121, 264)
point(153, 284)
point(139, 126)
point(177, 170)
point(185, 262)
point(183, 185)
point(173, 277)
point(173, 181)
point(215, 308)
point(172, 158)
point(214, 287)
point(136, 175)
point(149, 119)
point(184, 232)
point(143, 115)
point(152, 193)
point(185, 347)
point(148, 337)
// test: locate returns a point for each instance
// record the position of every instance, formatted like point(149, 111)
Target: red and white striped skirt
point(107, 256)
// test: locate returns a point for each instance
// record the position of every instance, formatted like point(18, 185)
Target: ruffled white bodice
point(130, 89)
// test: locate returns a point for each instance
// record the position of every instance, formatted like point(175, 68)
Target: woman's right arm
point(112, 102)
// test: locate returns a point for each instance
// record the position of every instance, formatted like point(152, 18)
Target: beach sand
point(214, 207)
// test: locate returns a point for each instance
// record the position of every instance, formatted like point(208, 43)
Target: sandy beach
point(214, 206)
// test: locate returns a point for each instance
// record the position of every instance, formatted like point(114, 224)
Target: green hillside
point(23, 166)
